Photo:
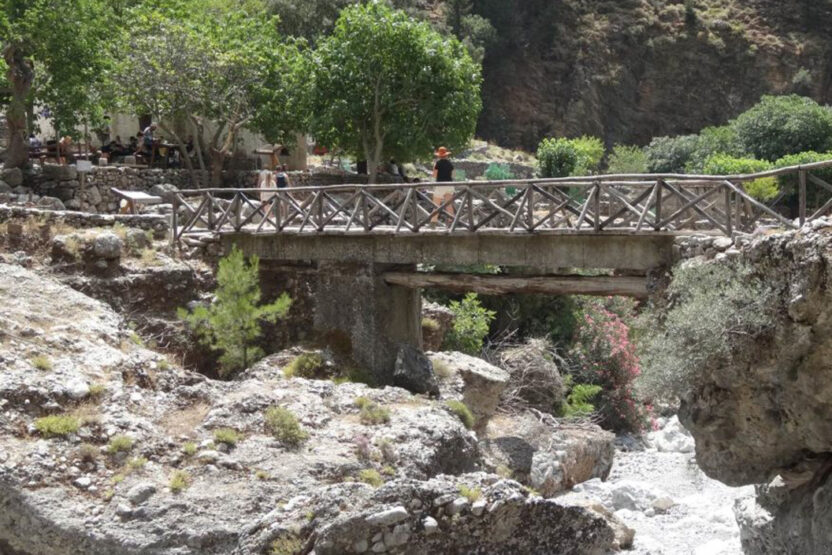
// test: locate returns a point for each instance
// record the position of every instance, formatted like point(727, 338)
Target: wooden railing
point(594, 204)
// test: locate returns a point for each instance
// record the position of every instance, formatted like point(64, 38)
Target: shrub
point(137, 463)
point(670, 154)
point(189, 449)
point(261, 475)
point(815, 196)
point(119, 444)
point(284, 426)
point(781, 125)
point(306, 365)
point(713, 309)
point(97, 390)
point(42, 362)
point(578, 401)
point(627, 159)
point(469, 493)
point(88, 452)
point(57, 425)
point(604, 356)
point(762, 189)
point(462, 412)
point(370, 413)
point(590, 152)
point(430, 323)
point(442, 369)
point(286, 545)
point(371, 477)
point(179, 481)
point(471, 325)
point(534, 377)
point(556, 158)
point(232, 323)
point(710, 141)
point(498, 172)
point(227, 436)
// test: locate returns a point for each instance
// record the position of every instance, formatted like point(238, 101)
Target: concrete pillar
point(360, 315)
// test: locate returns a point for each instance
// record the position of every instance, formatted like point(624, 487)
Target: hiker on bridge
point(443, 172)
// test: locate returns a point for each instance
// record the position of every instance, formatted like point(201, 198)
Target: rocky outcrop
point(548, 455)
point(765, 416)
point(535, 380)
point(143, 456)
point(437, 320)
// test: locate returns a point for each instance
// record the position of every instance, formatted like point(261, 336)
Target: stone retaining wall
point(94, 194)
point(159, 225)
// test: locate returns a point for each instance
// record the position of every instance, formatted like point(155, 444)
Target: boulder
point(5, 188)
point(534, 378)
point(545, 454)
point(437, 320)
point(672, 438)
point(107, 246)
point(478, 384)
point(12, 176)
point(51, 203)
point(137, 239)
point(166, 191)
point(414, 372)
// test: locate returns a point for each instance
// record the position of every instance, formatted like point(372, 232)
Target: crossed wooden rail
point(621, 203)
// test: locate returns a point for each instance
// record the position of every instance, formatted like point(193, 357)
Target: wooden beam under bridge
point(627, 286)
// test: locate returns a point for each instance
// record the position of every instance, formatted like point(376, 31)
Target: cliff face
point(765, 418)
point(629, 70)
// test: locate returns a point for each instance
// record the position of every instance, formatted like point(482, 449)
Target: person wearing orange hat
point(443, 172)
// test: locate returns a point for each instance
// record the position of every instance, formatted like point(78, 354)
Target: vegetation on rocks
point(226, 436)
point(180, 480)
point(119, 444)
point(42, 362)
point(284, 426)
point(462, 412)
point(712, 307)
point(371, 413)
point(470, 326)
point(232, 323)
point(57, 425)
point(306, 365)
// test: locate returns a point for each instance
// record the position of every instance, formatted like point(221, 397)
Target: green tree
point(711, 141)
point(211, 63)
point(556, 158)
point(231, 324)
point(670, 154)
point(387, 86)
point(55, 55)
point(471, 325)
point(763, 189)
point(627, 159)
point(590, 153)
point(782, 125)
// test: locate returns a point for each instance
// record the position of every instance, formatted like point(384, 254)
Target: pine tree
point(232, 323)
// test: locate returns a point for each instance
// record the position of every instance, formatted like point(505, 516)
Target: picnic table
point(136, 198)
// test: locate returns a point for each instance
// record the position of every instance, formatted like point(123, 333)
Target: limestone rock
point(547, 455)
point(479, 383)
point(414, 372)
point(167, 191)
point(107, 246)
point(672, 438)
point(12, 176)
point(437, 320)
point(535, 380)
point(51, 203)
point(5, 188)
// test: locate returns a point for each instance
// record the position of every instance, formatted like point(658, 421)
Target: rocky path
point(661, 493)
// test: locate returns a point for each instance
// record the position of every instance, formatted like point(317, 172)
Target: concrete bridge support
point(356, 311)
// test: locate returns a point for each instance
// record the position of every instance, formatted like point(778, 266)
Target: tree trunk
point(20, 75)
point(217, 163)
point(184, 154)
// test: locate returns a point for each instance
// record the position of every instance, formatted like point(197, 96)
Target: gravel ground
point(660, 492)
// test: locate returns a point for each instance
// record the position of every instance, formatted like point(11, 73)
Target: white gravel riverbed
point(660, 492)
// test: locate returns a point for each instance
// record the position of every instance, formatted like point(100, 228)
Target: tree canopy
point(54, 54)
point(386, 86)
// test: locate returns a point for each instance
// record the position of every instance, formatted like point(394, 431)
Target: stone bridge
point(372, 248)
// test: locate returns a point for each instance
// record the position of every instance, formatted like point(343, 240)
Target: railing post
point(174, 222)
point(238, 208)
point(659, 191)
point(210, 211)
point(596, 204)
point(530, 208)
point(802, 195)
point(729, 224)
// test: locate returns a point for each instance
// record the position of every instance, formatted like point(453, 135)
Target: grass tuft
point(119, 444)
point(179, 481)
point(57, 425)
point(227, 436)
point(42, 363)
point(371, 476)
point(462, 412)
point(284, 426)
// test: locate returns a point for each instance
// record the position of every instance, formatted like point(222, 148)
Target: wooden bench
point(136, 198)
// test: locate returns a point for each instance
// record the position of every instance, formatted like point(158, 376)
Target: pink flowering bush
point(604, 355)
